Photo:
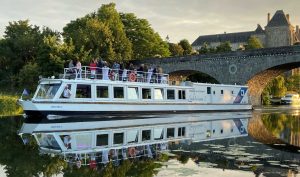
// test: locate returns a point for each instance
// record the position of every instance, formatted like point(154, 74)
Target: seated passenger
point(67, 92)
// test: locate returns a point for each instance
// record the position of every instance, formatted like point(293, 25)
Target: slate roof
point(232, 37)
point(279, 19)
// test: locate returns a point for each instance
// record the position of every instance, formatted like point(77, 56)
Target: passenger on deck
point(93, 66)
point(67, 92)
point(78, 69)
point(71, 67)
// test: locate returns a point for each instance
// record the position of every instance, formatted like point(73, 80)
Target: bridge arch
point(192, 75)
point(260, 80)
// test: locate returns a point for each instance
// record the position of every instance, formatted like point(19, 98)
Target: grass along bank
point(9, 106)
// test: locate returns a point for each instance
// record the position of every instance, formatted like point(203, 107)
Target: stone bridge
point(254, 68)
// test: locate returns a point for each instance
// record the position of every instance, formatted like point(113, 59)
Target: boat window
point(158, 133)
point(222, 92)
point(83, 91)
point(181, 131)
point(146, 135)
point(158, 93)
point(102, 140)
point(48, 141)
point(232, 92)
point(118, 138)
point(47, 91)
point(83, 141)
point(67, 140)
point(214, 92)
point(102, 91)
point(118, 92)
point(208, 90)
point(132, 136)
point(208, 133)
point(221, 131)
point(133, 93)
point(66, 92)
point(146, 93)
point(170, 132)
point(181, 94)
point(171, 94)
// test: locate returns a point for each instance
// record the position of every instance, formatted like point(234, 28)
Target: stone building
point(278, 32)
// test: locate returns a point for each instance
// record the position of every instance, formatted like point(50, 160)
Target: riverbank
point(9, 106)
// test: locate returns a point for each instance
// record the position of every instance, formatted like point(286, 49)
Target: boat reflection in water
point(99, 142)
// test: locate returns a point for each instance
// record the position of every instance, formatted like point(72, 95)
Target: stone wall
point(279, 36)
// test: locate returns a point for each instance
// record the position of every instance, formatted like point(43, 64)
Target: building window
point(83, 91)
point(208, 90)
point(133, 93)
point(171, 94)
point(181, 94)
point(118, 138)
point(102, 91)
point(146, 93)
point(158, 93)
point(181, 131)
point(102, 140)
point(146, 135)
point(170, 132)
point(118, 92)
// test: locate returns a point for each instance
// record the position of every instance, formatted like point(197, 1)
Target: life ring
point(131, 151)
point(132, 77)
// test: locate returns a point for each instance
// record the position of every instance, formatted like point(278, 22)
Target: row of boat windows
point(84, 91)
point(103, 92)
point(85, 140)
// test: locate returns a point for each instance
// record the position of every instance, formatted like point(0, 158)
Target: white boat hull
point(88, 108)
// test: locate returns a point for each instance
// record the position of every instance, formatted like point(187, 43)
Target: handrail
point(105, 73)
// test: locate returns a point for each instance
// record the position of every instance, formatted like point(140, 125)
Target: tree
point(186, 46)
point(253, 43)
point(145, 41)
point(224, 47)
point(276, 87)
point(175, 49)
point(121, 44)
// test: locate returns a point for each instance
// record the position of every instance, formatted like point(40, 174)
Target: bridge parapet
point(276, 51)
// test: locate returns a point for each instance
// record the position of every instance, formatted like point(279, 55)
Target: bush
point(9, 106)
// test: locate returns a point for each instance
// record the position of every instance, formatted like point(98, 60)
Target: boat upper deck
point(106, 73)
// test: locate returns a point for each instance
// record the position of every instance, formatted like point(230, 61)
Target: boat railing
point(105, 73)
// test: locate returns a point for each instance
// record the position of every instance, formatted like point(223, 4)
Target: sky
point(178, 19)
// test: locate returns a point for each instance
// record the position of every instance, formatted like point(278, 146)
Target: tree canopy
point(253, 43)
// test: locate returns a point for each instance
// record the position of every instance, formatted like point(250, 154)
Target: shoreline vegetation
point(9, 105)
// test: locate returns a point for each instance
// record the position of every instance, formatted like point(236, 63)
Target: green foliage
point(266, 97)
point(145, 41)
point(277, 87)
point(9, 106)
point(224, 47)
point(28, 76)
point(253, 43)
point(175, 49)
point(186, 46)
point(293, 83)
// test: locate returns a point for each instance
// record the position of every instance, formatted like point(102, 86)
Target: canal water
point(271, 148)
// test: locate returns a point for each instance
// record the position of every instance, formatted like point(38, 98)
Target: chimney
point(269, 17)
point(288, 17)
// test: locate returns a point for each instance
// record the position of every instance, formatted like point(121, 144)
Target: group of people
point(115, 71)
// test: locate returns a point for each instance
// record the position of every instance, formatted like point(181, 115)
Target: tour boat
point(115, 92)
point(131, 138)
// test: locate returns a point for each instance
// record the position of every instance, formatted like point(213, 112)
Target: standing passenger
point(93, 66)
point(78, 69)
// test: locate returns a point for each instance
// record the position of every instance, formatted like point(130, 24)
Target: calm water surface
point(271, 148)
